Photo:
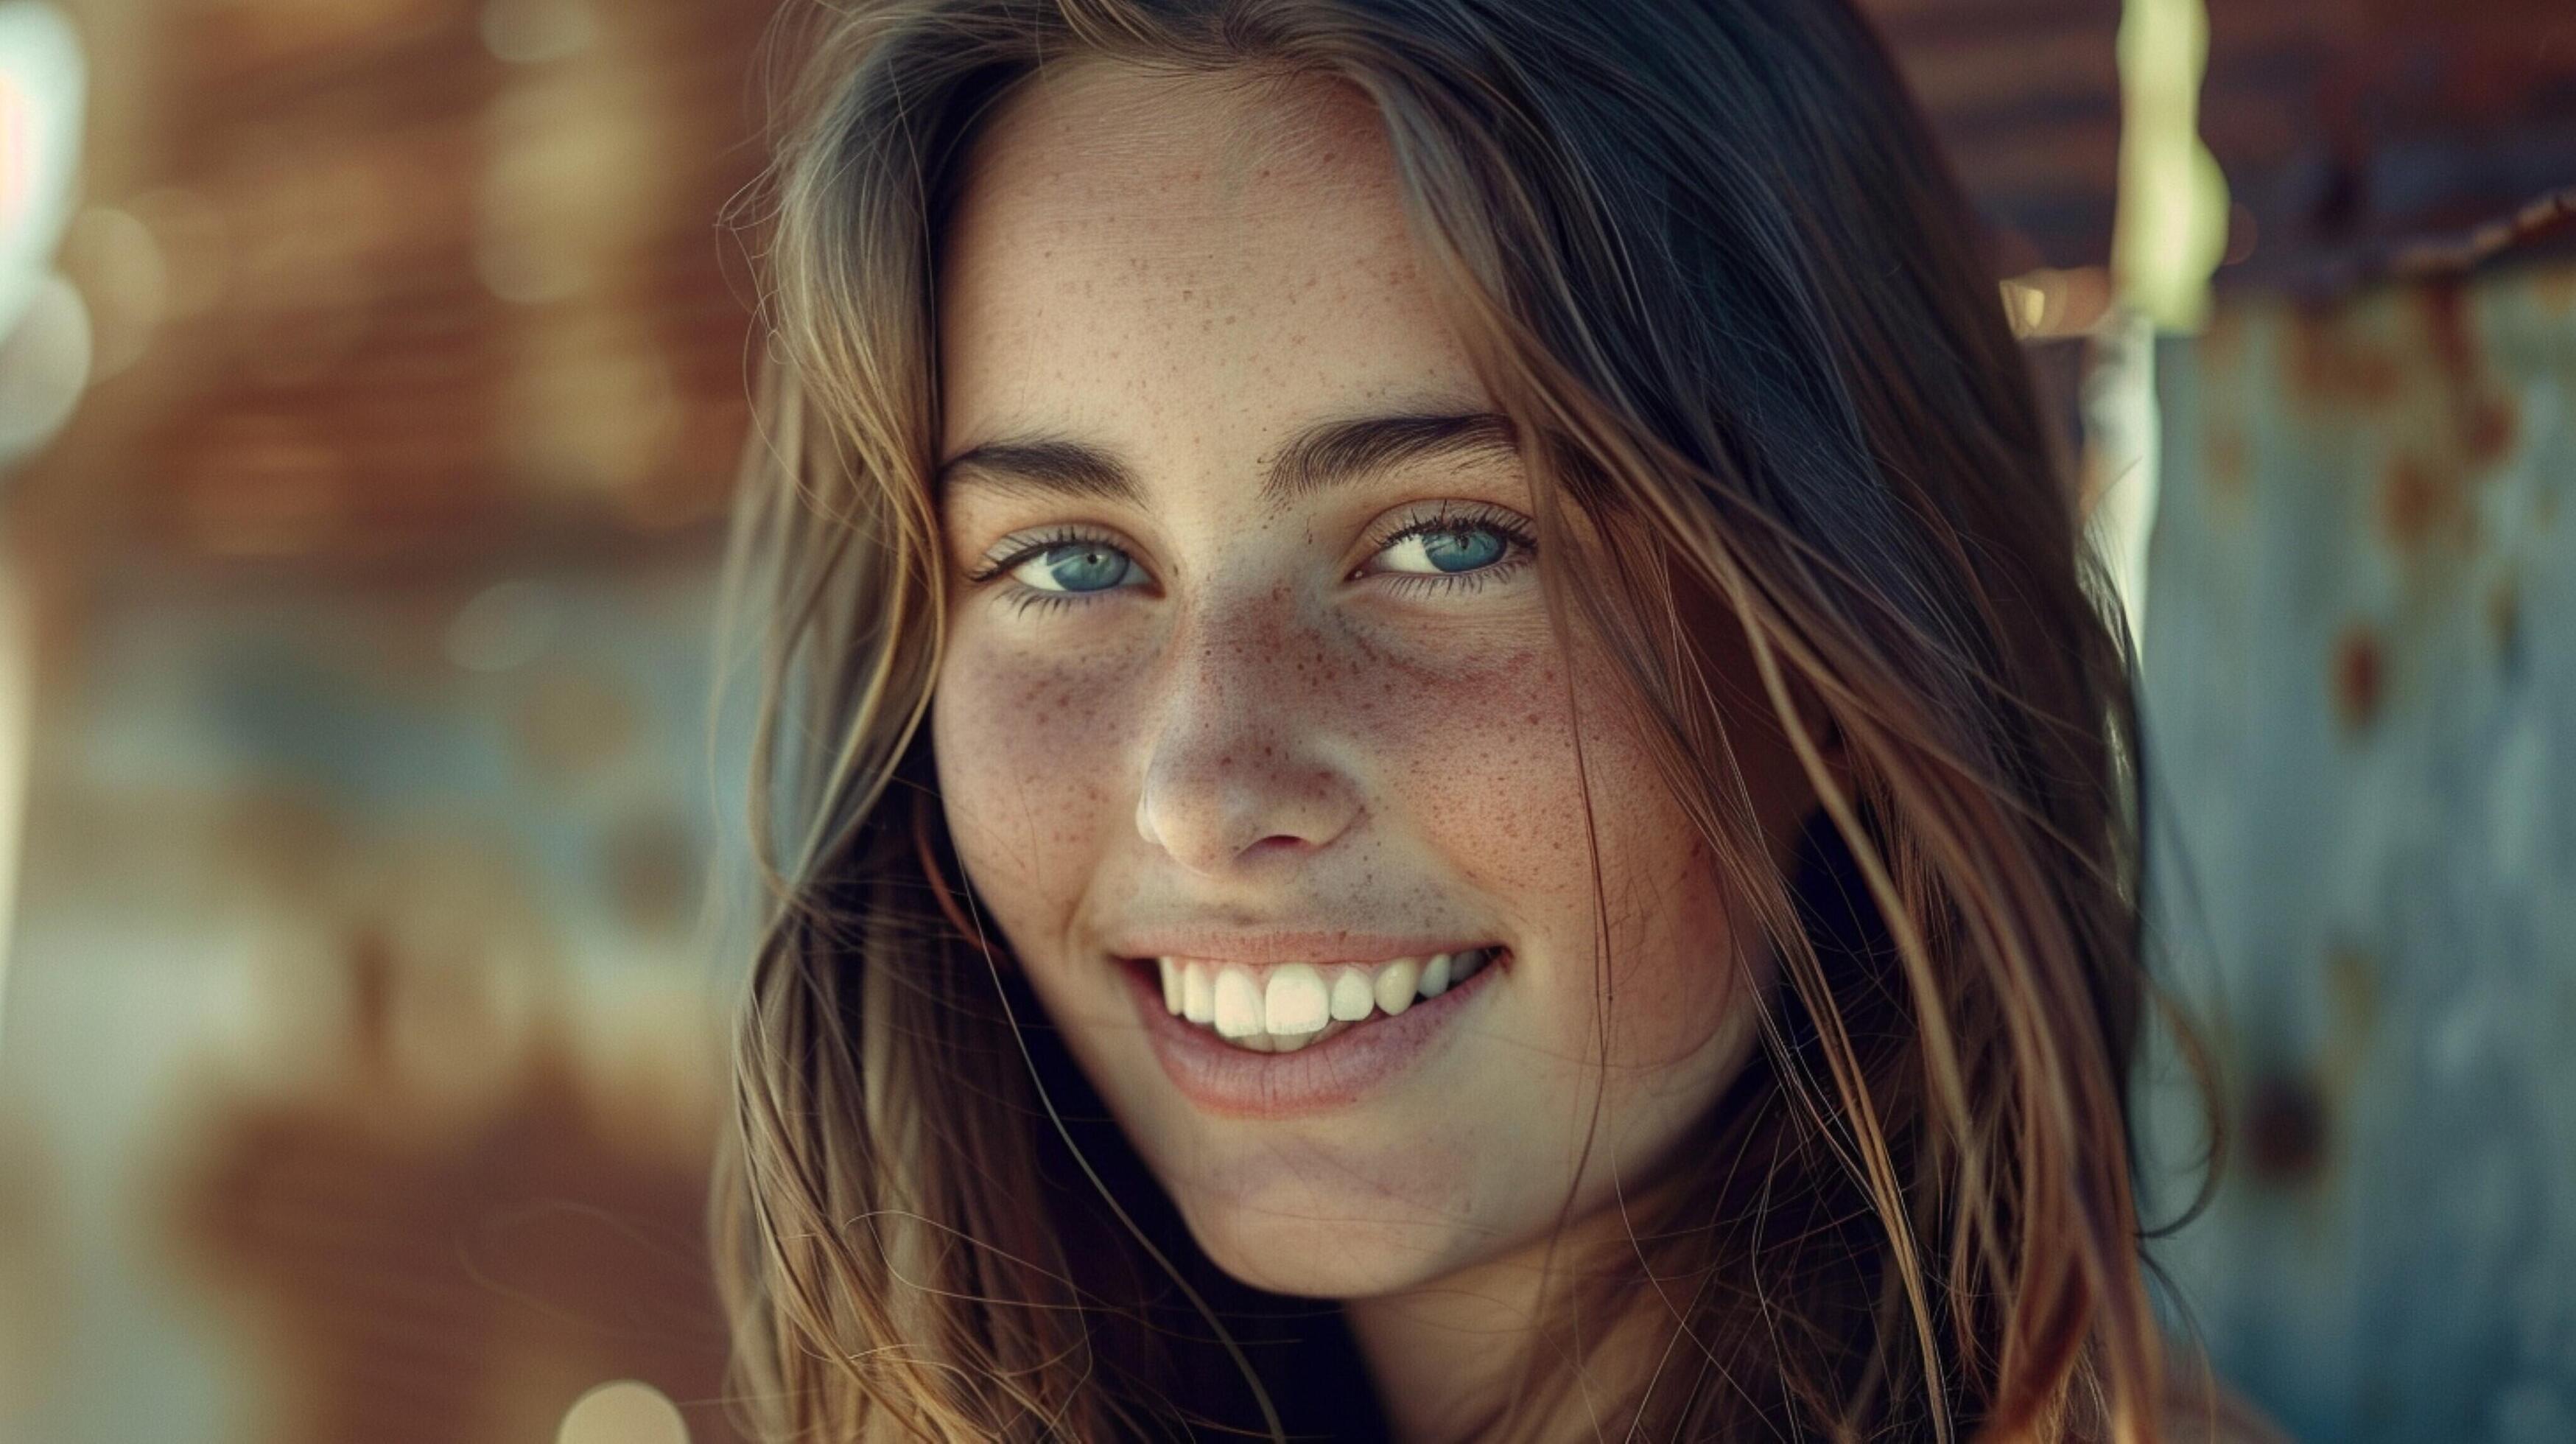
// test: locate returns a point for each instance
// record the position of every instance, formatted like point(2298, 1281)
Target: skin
point(1241, 728)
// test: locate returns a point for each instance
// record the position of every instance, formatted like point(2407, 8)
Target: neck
point(1449, 1356)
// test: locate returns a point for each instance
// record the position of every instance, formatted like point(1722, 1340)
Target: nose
point(1240, 761)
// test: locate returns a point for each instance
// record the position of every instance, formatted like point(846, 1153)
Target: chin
point(1326, 1257)
point(1339, 1217)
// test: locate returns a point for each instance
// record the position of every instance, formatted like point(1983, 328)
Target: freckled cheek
point(1478, 765)
point(1672, 931)
point(1487, 770)
point(1485, 765)
point(1023, 755)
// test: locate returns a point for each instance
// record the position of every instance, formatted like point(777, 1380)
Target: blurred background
point(374, 375)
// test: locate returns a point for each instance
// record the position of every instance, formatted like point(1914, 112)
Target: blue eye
point(1457, 548)
point(1077, 566)
point(1454, 549)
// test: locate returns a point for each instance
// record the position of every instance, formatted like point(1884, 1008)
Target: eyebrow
point(1329, 453)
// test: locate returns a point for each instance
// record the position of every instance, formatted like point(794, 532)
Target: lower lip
point(1340, 1070)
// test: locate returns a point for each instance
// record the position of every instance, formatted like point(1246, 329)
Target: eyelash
point(1473, 517)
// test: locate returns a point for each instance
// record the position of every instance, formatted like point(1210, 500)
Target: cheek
point(1480, 765)
point(1505, 788)
point(1022, 751)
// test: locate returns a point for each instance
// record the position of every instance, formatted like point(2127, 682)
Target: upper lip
point(1254, 948)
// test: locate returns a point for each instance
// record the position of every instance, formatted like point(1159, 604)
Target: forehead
point(1216, 253)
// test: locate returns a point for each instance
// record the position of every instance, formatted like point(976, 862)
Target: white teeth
point(1395, 985)
point(1435, 976)
point(1295, 1001)
point(1352, 997)
point(1198, 998)
point(1238, 1004)
point(1285, 1008)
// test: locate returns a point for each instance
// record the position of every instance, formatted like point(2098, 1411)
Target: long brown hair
point(1706, 258)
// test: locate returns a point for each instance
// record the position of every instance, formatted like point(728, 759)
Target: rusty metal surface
point(2361, 709)
point(435, 294)
point(363, 1058)
point(2352, 129)
point(2025, 95)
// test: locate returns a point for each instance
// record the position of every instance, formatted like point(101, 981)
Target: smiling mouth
point(1291, 1006)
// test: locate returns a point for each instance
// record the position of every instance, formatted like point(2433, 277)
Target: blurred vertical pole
point(2171, 222)
point(2167, 232)
point(17, 694)
point(45, 358)
point(2120, 437)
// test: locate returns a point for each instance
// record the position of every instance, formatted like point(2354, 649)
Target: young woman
point(1440, 759)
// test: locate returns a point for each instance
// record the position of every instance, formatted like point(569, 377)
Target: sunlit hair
point(1705, 257)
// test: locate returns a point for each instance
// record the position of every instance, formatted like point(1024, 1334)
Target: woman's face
point(1248, 668)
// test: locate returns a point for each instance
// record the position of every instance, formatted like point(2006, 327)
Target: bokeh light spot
point(623, 1412)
